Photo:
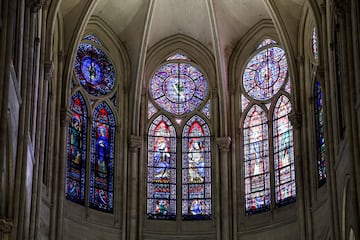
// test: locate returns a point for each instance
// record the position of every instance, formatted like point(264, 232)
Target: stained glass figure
point(206, 109)
point(244, 102)
point(285, 190)
point(93, 38)
point(320, 138)
point(256, 161)
point(178, 88)
point(265, 73)
point(102, 158)
point(94, 70)
point(315, 47)
point(178, 56)
point(266, 42)
point(151, 110)
point(161, 181)
point(196, 170)
point(75, 174)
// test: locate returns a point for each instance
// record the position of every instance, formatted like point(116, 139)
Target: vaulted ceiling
point(215, 23)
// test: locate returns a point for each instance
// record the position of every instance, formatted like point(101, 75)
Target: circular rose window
point(265, 73)
point(94, 70)
point(178, 87)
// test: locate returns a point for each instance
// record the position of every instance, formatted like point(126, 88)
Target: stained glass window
point(178, 87)
point(244, 102)
point(285, 190)
point(151, 110)
point(94, 70)
point(265, 73)
point(320, 138)
point(76, 150)
point(315, 47)
point(178, 56)
point(206, 109)
point(102, 158)
point(256, 161)
point(196, 170)
point(266, 42)
point(161, 182)
point(93, 38)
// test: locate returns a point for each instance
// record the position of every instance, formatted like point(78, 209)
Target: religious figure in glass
point(196, 162)
point(161, 161)
point(102, 150)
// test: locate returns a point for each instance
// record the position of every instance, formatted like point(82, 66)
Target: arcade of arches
point(169, 119)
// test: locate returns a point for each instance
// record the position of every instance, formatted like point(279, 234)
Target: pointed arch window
point(256, 161)
point(320, 136)
point(95, 88)
point(102, 158)
point(77, 132)
point(179, 99)
point(268, 148)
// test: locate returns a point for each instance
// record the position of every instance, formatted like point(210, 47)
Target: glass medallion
point(265, 73)
point(178, 87)
point(266, 42)
point(94, 70)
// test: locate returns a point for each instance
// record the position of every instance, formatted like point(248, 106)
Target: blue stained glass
point(94, 70)
point(76, 150)
point(196, 170)
point(285, 190)
point(178, 56)
point(102, 159)
point(178, 87)
point(256, 162)
point(93, 38)
point(161, 182)
point(151, 110)
point(320, 138)
point(265, 73)
point(244, 102)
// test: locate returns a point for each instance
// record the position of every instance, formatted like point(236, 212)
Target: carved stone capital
point(295, 119)
point(224, 143)
point(48, 70)
point(135, 143)
point(6, 225)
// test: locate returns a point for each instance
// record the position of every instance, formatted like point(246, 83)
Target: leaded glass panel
point(284, 167)
point(178, 87)
point(196, 170)
point(76, 150)
point(161, 180)
point(178, 56)
point(94, 70)
point(93, 38)
point(266, 42)
point(315, 47)
point(265, 73)
point(256, 161)
point(102, 158)
point(320, 137)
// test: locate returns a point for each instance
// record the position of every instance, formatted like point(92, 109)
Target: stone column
point(133, 188)
point(224, 147)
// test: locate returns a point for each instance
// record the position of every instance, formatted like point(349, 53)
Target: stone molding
point(295, 119)
point(224, 143)
point(6, 225)
point(135, 143)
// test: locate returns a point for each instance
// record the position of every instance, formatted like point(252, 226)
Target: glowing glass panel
point(315, 47)
point(256, 162)
point(93, 38)
point(244, 102)
point(102, 159)
point(94, 70)
point(285, 190)
point(76, 150)
point(266, 42)
point(265, 73)
point(161, 180)
point(178, 87)
point(151, 110)
point(178, 56)
point(196, 170)
point(206, 109)
point(320, 138)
